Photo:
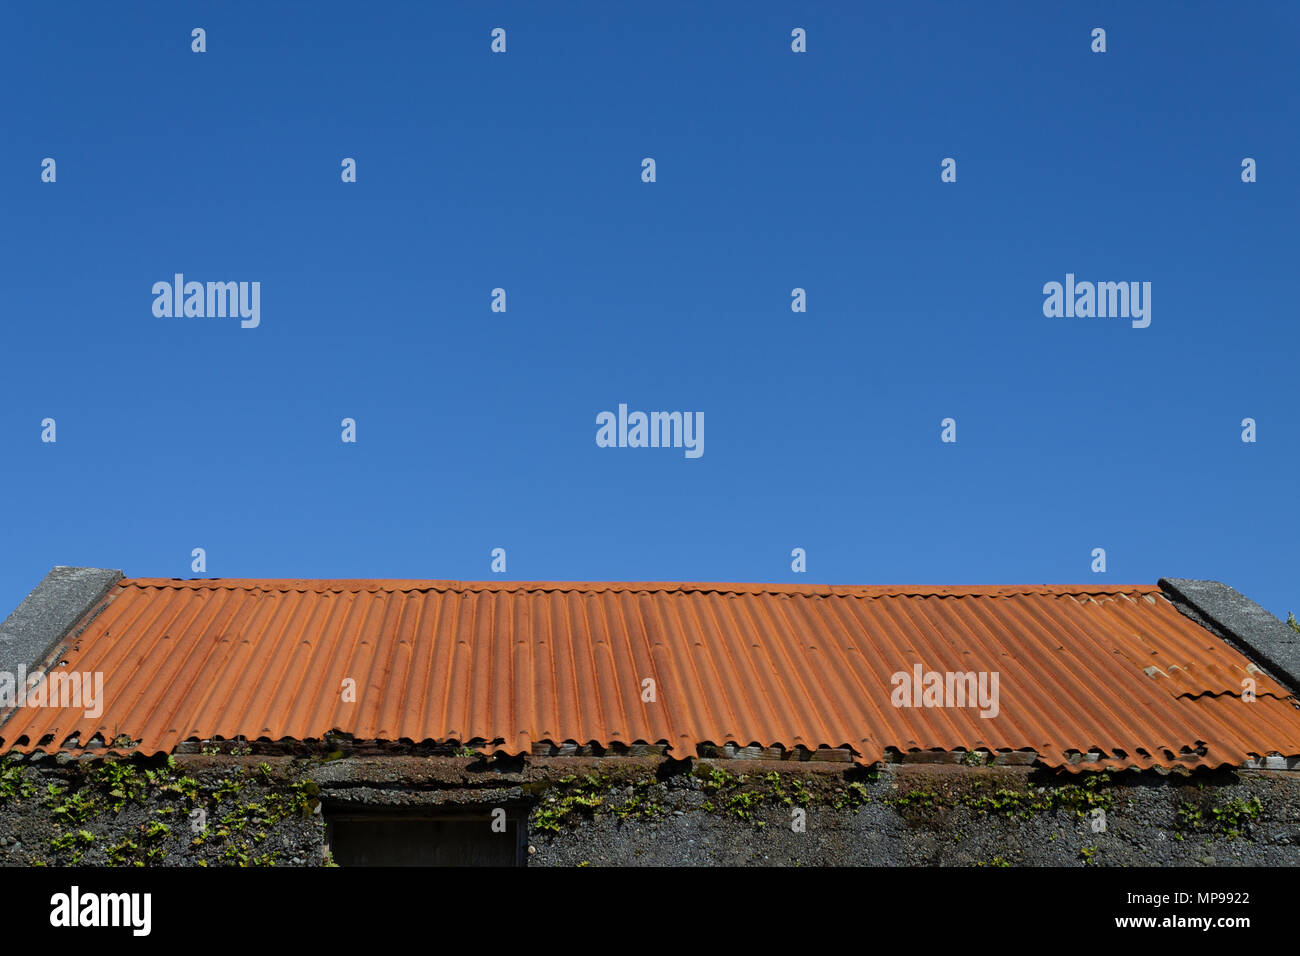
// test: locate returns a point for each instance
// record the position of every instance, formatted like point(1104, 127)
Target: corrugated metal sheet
point(1080, 669)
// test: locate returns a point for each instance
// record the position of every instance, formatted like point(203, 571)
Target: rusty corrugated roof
point(1080, 669)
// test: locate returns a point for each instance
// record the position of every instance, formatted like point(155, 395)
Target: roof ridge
point(343, 585)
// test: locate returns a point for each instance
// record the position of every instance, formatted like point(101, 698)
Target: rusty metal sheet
point(1116, 671)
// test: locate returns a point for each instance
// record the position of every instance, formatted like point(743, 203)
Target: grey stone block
point(49, 613)
point(1239, 620)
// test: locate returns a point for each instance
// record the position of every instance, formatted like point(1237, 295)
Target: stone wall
point(199, 811)
point(242, 809)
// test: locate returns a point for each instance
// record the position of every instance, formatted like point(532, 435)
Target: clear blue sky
point(775, 170)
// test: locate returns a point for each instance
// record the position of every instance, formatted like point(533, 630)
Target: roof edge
point(399, 584)
point(1239, 620)
point(49, 613)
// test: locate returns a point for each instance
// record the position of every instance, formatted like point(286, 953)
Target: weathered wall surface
point(207, 811)
point(645, 811)
point(940, 815)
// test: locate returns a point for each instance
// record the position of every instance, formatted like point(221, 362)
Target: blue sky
point(775, 170)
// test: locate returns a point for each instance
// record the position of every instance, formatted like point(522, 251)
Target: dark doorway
point(406, 839)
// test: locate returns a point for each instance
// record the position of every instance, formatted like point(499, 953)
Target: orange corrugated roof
point(1080, 669)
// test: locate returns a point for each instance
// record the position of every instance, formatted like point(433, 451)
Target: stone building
point(298, 722)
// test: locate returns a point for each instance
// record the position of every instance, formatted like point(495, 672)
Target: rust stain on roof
point(1080, 669)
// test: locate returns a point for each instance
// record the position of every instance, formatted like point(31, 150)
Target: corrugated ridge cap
point(352, 585)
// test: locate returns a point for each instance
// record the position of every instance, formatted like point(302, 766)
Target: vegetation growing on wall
point(138, 811)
